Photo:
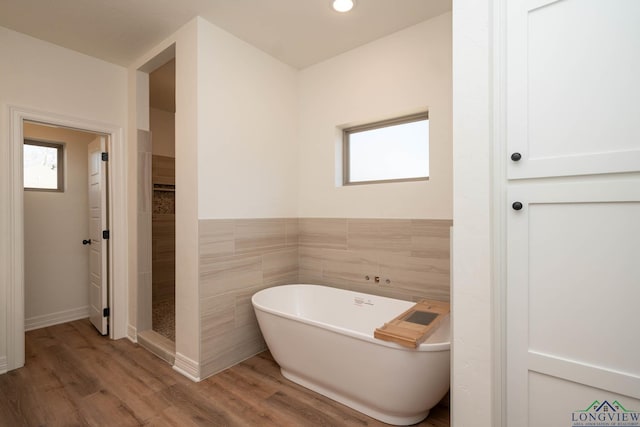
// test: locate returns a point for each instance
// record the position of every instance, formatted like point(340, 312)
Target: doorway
point(162, 107)
point(156, 149)
point(14, 230)
point(59, 248)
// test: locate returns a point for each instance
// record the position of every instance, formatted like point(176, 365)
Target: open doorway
point(15, 256)
point(162, 107)
point(156, 149)
point(65, 204)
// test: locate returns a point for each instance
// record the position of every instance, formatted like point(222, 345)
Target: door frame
point(14, 261)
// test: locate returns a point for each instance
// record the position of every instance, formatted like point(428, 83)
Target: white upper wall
point(247, 150)
point(47, 77)
point(406, 72)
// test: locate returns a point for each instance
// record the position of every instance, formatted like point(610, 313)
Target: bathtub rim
point(423, 347)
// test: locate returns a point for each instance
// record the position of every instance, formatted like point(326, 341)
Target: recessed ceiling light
point(343, 5)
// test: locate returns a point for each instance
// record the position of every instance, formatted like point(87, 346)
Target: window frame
point(346, 133)
point(60, 166)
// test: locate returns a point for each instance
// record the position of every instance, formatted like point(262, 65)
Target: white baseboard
point(4, 365)
point(187, 367)
point(132, 333)
point(37, 322)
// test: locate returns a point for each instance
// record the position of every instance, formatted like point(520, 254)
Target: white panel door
point(98, 280)
point(573, 244)
point(573, 87)
point(573, 334)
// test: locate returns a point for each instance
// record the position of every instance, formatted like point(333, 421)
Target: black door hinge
point(105, 157)
point(105, 234)
point(105, 312)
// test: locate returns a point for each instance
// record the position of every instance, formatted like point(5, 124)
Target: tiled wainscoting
point(412, 254)
point(240, 257)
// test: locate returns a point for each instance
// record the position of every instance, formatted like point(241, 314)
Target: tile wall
point(239, 257)
point(412, 255)
point(163, 230)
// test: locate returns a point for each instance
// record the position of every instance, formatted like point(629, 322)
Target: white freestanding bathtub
point(322, 338)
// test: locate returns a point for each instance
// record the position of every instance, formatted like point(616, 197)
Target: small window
point(389, 151)
point(43, 166)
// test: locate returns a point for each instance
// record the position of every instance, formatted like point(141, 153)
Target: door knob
point(516, 206)
point(516, 156)
point(86, 242)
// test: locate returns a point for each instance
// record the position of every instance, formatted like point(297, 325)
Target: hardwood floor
point(74, 377)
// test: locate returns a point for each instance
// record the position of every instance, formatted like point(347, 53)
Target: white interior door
point(573, 232)
point(98, 280)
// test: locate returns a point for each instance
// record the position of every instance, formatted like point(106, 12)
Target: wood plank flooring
point(74, 377)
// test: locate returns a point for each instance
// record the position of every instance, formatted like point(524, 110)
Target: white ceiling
point(298, 32)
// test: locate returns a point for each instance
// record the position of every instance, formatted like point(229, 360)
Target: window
point(389, 151)
point(43, 166)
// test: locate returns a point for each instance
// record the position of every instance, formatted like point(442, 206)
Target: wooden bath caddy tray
point(415, 325)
